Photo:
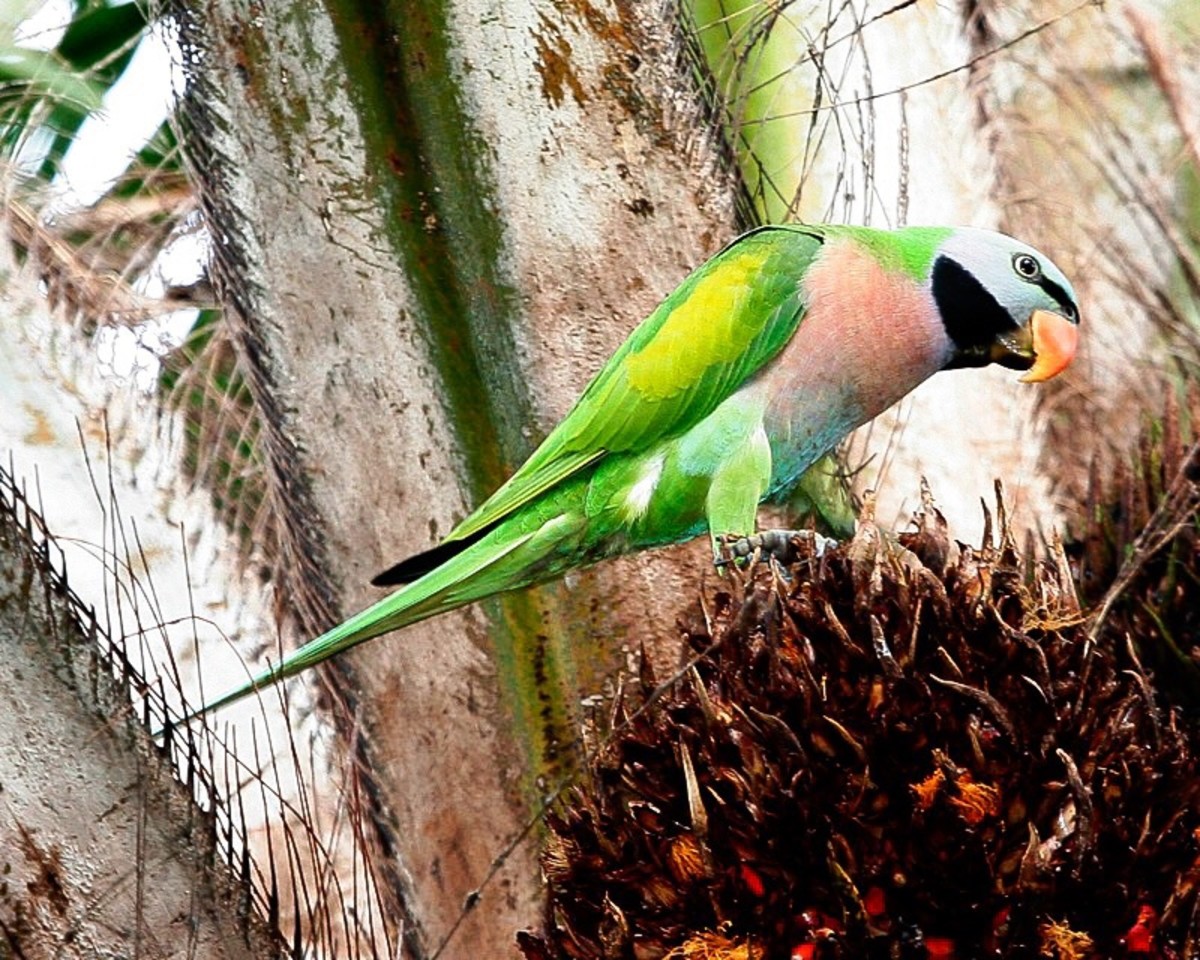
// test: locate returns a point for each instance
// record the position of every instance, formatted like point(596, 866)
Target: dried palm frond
point(1136, 548)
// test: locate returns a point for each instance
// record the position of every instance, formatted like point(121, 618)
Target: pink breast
point(869, 336)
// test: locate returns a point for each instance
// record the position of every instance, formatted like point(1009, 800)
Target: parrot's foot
point(782, 546)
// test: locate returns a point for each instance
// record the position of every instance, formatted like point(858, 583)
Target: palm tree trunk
point(105, 853)
point(435, 224)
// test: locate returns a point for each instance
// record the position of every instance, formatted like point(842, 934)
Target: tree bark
point(435, 224)
point(102, 850)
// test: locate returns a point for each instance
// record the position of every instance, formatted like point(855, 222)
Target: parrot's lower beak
point(1043, 348)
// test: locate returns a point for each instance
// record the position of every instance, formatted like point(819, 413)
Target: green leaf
point(43, 74)
point(53, 92)
point(101, 32)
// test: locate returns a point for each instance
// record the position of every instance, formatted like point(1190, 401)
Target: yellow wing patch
point(681, 350)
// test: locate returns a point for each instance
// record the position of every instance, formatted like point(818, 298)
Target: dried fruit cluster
point(908, 750)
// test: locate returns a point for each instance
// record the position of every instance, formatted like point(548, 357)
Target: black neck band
point(973, 318)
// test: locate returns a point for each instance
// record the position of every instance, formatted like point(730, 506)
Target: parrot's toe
point(782, 546)
point(820, 543)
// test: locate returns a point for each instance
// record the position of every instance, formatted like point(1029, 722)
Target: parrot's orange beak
point(1043, 347)
point(1055, 340)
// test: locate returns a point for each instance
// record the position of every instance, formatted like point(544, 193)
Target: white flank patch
point(637, 500)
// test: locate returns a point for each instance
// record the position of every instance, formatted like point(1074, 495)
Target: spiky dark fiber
point(901, 752)
point(1136, 547)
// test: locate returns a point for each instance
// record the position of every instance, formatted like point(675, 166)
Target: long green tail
point(479, 571)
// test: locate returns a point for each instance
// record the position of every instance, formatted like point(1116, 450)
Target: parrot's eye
point(1027, 267)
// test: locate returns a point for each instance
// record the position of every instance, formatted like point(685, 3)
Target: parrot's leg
point(737, 486)
point(782, 546)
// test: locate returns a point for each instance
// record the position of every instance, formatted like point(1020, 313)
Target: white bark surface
point(102, 851)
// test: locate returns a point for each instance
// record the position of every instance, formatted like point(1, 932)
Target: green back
point(910, 250)
point(718, 328)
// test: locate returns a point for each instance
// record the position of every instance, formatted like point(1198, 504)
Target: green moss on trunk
point(428, 169)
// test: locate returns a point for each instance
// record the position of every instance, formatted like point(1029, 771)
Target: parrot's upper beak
point(1043, 348)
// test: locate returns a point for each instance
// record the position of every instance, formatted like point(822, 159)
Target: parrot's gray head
point(1001, 301)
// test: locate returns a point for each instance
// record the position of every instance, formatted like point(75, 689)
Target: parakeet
point(761, 361)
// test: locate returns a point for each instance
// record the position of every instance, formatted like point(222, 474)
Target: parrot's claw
point(782, 546)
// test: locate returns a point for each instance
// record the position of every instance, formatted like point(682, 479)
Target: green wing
point(718, 328)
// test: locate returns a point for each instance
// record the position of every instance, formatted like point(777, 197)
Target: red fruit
point(939, 948)
point(1139, 939)
point(752, 880)
point(875, 902)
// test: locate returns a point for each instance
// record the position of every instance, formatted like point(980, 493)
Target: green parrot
point(762, 360)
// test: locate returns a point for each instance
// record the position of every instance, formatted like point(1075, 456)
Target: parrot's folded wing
point(719, 328)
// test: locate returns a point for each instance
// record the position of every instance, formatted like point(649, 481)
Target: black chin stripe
point(1059, 296)
point(973, 317)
